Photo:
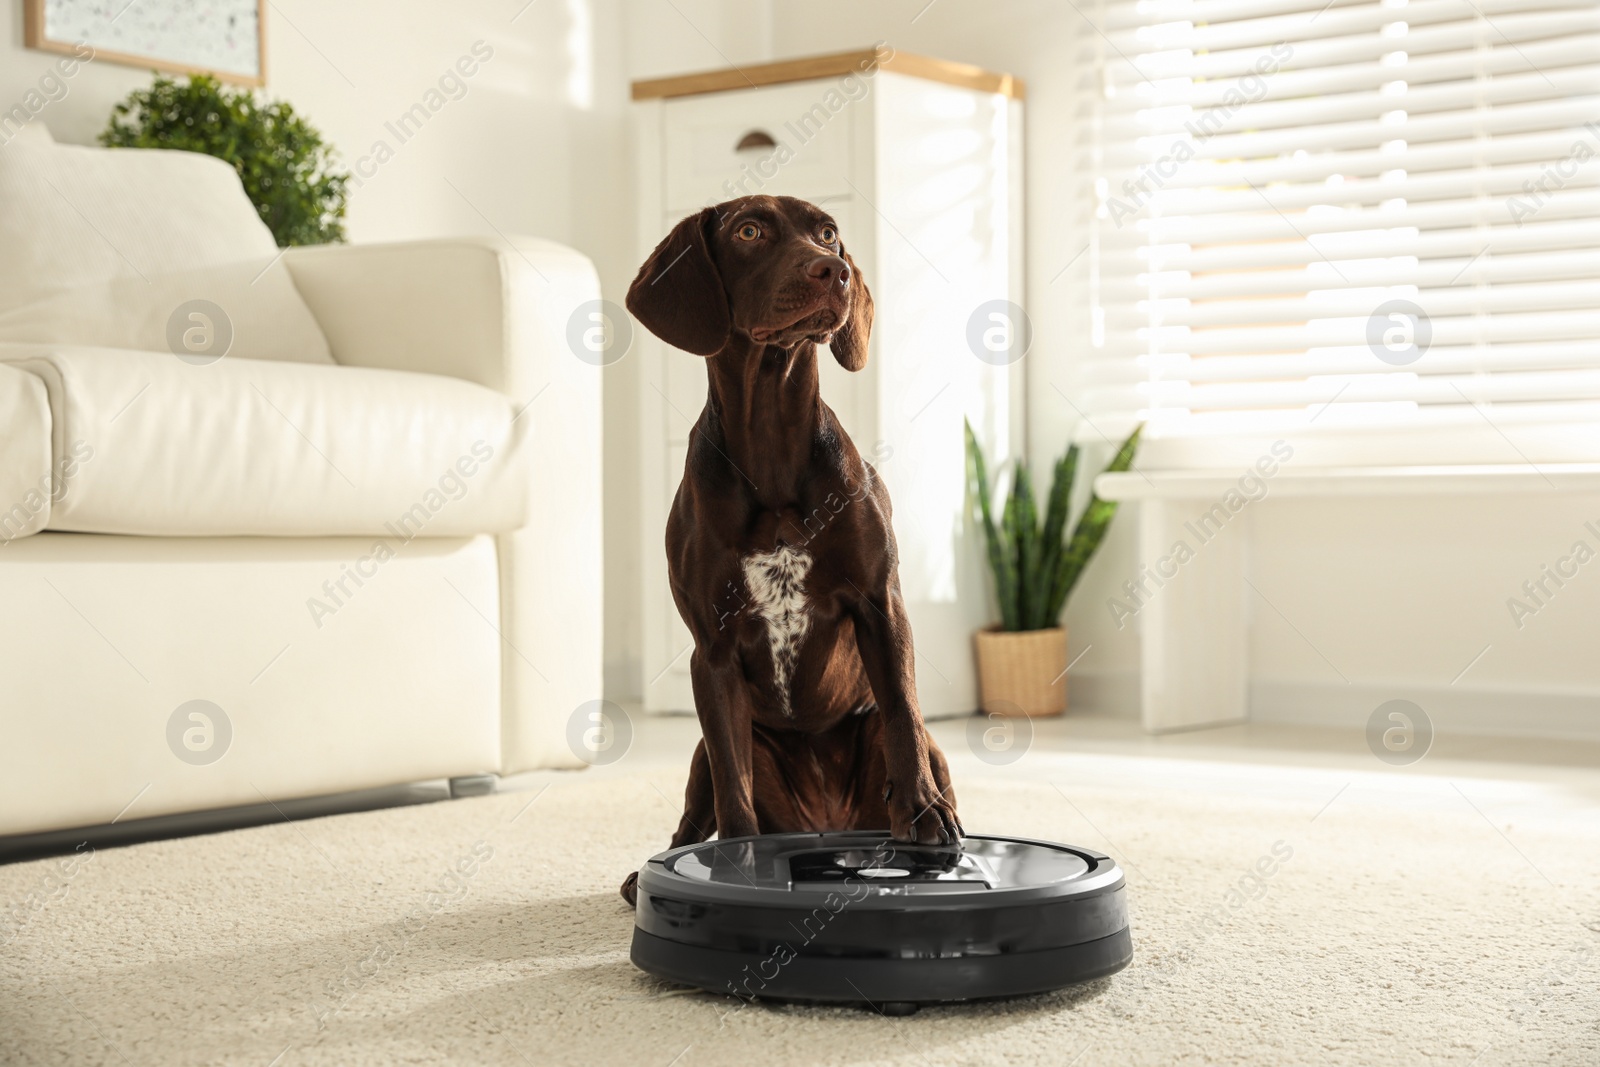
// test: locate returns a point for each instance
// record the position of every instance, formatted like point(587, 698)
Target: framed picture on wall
point(225, 38)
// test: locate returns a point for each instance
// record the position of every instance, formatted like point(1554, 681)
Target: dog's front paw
point(922, 814)
point(630, 889)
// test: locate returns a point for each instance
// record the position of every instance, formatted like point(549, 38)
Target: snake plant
point(1035, 567)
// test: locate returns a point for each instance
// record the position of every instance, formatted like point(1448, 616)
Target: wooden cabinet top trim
point(836, 65)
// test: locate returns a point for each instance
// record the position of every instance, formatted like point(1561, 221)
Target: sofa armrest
point(462, 307)
point(474, 309)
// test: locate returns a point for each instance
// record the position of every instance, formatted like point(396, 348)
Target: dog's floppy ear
point(849, 343)
point(678, 293)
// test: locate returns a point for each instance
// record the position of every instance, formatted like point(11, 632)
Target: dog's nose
point(828, 270)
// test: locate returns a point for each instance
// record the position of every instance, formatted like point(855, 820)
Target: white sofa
point(365, 540)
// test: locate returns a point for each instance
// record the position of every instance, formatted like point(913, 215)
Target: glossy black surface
point(799, 914)
point(874, 870)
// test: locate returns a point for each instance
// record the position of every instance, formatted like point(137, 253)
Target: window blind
point(1356, 214)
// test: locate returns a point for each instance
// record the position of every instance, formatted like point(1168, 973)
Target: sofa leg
point(473, 785)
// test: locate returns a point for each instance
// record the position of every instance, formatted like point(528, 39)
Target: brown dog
point(779, 546)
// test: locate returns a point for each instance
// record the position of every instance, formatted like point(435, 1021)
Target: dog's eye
point(829, 235)
point(749, 232)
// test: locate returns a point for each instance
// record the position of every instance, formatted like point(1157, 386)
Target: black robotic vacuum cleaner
point(855, 917)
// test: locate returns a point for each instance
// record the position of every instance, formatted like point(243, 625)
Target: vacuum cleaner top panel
point(879, 872)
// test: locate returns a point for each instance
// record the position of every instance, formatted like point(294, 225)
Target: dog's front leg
point(699, 821)
point(721, 766)
point(723, 706)
point(918, 809)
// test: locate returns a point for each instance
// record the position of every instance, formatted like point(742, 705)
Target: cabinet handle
point(755, 139)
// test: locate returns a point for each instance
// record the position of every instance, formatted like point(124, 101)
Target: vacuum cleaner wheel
point(855, 917)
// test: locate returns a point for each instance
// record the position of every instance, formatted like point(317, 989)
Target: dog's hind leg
point(699, 820)
point(792, 791)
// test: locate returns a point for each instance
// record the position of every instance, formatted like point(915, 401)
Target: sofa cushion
point(293, 449)
point(108, 247)
point(254, 312)
point(26, 485)
point(27, 133)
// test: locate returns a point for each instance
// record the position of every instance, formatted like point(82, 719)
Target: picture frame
point(226, 40)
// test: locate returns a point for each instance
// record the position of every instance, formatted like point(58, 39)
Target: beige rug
point(1435, 927)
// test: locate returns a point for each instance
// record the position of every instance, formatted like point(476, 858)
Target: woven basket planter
point(1025, 670)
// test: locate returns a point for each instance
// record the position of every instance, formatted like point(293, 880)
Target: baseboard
point(15, 847)
point(1104, 694)
point(1553, 714)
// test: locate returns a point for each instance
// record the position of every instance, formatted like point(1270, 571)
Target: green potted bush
point(287, 169)
point(1022, 660)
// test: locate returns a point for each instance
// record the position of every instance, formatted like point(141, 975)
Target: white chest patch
point(776, 581)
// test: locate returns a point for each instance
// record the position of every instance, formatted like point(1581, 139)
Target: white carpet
point(1402, 929)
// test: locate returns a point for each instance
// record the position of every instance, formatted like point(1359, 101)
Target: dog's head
point(770, 268)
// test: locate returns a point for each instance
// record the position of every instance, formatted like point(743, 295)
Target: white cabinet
point(920, 162)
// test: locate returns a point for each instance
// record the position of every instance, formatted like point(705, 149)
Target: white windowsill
point(1464, 479)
